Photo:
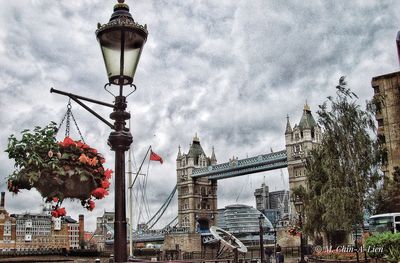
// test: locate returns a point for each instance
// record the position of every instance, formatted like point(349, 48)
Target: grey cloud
point(229, 70)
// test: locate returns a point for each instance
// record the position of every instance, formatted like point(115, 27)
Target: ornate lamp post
point(298, 204)
point(121, 41)
point(261, 222)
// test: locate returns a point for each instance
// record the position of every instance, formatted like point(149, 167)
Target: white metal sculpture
point(228, 242)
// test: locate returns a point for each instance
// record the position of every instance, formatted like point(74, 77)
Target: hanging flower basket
point(294, 230)
point(58, 170)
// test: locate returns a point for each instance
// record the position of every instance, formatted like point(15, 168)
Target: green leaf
point(84, 178)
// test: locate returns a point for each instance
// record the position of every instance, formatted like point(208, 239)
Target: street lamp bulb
point(121, 41)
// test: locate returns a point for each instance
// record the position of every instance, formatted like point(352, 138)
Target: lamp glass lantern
point(298, 203)
point(121, 41)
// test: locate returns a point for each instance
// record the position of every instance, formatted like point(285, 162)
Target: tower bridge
point(197, 176)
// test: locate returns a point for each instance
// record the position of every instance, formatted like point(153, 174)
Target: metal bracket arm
point(77, 98)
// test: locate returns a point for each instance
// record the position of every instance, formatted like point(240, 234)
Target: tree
point(343, 169)
point(386, 199)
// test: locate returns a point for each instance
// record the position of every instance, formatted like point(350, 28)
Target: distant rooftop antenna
point(398, 45)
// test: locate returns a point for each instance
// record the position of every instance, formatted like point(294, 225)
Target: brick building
point(37, 231)
point(387, 101)
point(7, 228)
point(73, 233)
point(33, 232)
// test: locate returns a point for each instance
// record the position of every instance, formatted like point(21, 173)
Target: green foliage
point(31, 153)
point(387, 198)
point(384, 245)
point(68, 169)
point(394, 254)
point(343, 169)
point(338, 255)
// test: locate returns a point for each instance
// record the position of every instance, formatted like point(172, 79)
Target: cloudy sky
point(229, 70)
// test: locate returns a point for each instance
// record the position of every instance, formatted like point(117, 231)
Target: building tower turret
point(213, 158)
point(299, 141)
point(197, 198)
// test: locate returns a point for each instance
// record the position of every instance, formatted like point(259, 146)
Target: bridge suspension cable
point(157, 216)
point(171, 222)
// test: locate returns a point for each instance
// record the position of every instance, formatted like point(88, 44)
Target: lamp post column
point(120, 141)
point(301, 238)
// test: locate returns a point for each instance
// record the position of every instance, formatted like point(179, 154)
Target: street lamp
point(261, 222)
point(121, 41)
point(299, 206)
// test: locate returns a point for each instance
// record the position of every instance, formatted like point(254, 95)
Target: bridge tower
point(299, 141)
point(197, 198)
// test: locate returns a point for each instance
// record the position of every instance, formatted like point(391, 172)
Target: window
point(378, 106)
point(7, 228)
point(297, 148)
point(376, 89)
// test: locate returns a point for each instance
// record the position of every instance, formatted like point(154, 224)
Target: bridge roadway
point(235, 167)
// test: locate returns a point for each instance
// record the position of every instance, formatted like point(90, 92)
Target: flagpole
point(140, 168)
point(130, 188)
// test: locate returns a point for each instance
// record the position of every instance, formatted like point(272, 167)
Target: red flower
point(55, 199)
point(67, 142)
point(54, 214)
point(105, 184)
point(12, 188)
point(91, 205)
point(61, 211)
point(10, 184)
point(107, 173)
point(79, 144)
point(99, 193)
point(93, 150)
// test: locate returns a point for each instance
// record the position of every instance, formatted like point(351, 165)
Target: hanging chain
point(68, 122)
point(77, 127)
point(67, 118)
point(66, 115)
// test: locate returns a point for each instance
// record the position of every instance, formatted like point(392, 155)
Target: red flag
point(155, 157)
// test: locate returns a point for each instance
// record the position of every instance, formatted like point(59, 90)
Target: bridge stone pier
point(299, 141)
point(197, 197)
